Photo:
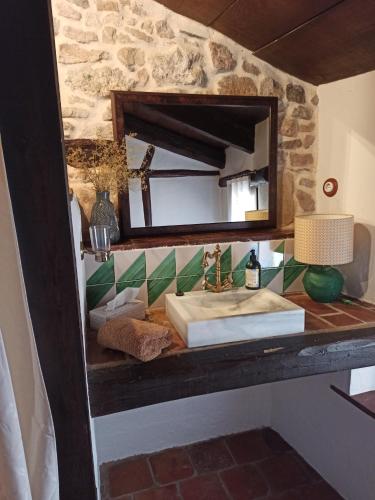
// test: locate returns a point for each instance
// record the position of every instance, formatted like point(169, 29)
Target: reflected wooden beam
point(181, 173)
point(174, 142)
point(146, 188)
point(223, 181)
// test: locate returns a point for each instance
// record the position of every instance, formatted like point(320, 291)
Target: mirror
point(208, 162)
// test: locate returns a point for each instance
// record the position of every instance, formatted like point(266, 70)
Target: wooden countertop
point(337, 337)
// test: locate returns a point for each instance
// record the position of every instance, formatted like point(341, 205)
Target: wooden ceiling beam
point(317, 41)
point(337, 45)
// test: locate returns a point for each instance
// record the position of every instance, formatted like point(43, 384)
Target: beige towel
point(141, 339)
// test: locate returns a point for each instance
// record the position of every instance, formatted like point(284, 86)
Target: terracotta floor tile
point(287, 495)
point(171, 465)
point(159, 493)
point(357, 311)
point(342, 319)
point(203, 488)
point(259, 465)
point(312, 474)
point(248, 446)
point(314, 323)
point(284, 472)
point(244, 482)
point(274, 441)
point(312, 306)
point(210, 456)
point(129, 476)
point(319, 491)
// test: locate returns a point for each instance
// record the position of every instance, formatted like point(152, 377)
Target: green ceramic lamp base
point(323, 283)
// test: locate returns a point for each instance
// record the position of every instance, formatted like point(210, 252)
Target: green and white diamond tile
point(157, 288)
point(161, 263)
point(140, 284)
point(273, 278)
point(189, 268)
point(189, 260)
point(293, 270)
point(241, 254)
point(289, 254)
point(100, 281)
point(293, 276)
point(98, 273)
point(271, 253)
point(98, 295)
point(130, 265)
point(161, 274)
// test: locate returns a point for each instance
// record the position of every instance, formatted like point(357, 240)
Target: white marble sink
point(206, 318)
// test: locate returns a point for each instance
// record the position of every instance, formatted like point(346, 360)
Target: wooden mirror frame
point(120, 98)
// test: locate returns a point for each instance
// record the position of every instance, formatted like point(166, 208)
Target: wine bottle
point(253, 272)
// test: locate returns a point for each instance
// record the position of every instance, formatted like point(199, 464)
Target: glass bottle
point(252, 272)
point(103, 214)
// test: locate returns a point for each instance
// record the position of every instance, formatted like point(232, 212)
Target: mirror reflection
point(202, 164)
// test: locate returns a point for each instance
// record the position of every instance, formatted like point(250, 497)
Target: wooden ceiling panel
point(255, 23)
point(336, 45)
point(203, 11)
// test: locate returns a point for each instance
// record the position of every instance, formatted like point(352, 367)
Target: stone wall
point(104, 45)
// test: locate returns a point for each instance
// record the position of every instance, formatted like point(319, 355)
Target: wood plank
point(221, 125)
point(199, 371)
point(204, 12)
point(330, 47)
point(174, 142)
point(256, 23)
point(31, 134)
point(245, 173)
point(146, 192)
point(164, 174)
point(211, 237)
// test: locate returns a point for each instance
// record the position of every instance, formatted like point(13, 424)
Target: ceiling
point(318, 41)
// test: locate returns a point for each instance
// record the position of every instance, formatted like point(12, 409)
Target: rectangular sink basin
point(207, 318)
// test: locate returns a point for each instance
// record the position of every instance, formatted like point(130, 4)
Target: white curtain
point(28, 460)
point(240, 199)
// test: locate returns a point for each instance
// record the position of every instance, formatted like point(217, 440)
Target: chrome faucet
point(219, 286)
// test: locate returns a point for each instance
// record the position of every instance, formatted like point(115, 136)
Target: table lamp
point(322, 241)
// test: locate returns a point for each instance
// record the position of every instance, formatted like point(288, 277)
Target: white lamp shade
point(323, 239)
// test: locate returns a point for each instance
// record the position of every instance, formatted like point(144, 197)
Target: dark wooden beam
point(204, 12)
point(254, 23)
point(328, 48)
point(193, 372)
point(182, 173)
point(174, 142)
point(220, 125)
point(146, 189)
point(223, 181)
point(31, 134)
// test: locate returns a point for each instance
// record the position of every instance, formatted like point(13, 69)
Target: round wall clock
point(330, 187)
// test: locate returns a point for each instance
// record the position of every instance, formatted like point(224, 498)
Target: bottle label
point(252, 278)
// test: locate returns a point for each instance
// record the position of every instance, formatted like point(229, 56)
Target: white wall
point(330, 433)
point(181, 200)
point(181, 422)
point(347, 152)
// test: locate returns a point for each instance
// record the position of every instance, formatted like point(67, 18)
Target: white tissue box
point(99, 316)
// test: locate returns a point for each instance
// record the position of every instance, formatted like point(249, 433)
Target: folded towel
point(141, 339)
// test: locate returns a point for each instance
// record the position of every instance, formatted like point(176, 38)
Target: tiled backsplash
point(157, 271)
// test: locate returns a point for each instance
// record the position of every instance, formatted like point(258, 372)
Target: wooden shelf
point(118, 382)
point(202, 238)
